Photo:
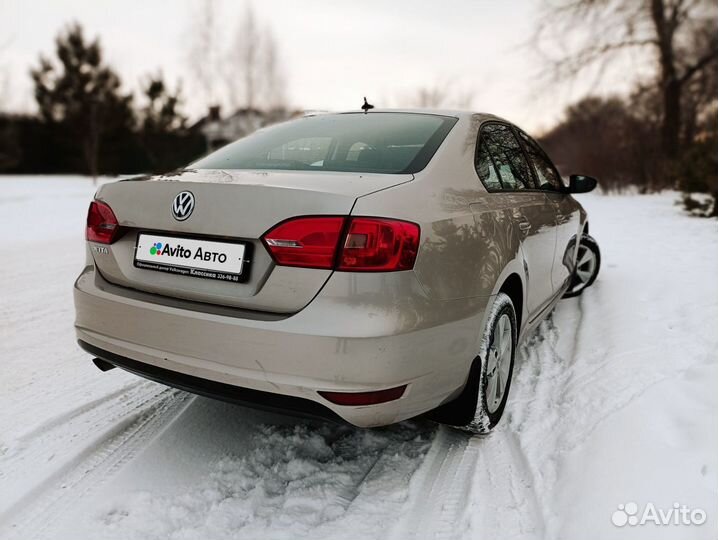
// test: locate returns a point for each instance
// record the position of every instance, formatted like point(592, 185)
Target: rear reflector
point(102, 225)
point(364, 398)
point(352, 244)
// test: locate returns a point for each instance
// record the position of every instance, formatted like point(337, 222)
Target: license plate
point(191, 257)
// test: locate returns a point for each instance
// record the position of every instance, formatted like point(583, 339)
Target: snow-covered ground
point(615, 400)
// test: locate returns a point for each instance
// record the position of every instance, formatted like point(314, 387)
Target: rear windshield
point(357, 142)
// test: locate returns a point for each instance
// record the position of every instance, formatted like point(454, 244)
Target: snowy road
point(615, 400)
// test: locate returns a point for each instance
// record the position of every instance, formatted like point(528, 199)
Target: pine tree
point(161, 114)
point(163, 127)
point(80, 98)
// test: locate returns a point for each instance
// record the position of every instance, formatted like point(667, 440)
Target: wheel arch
point(514, 282)
point(461, 409)
point(513, 287)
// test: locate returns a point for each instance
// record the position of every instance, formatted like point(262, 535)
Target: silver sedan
point(370, 267)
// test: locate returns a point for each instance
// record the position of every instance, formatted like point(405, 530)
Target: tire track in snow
point(467, 482)
point(486, 482)
point(363, 490)
point(38, 509)
point(568, 390)
point(508, 500)
point(349, 494)
point(39, 453)
point(313, 479)
point(81, 410)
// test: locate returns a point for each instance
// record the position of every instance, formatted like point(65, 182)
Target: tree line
point(661, 134)
point(664, 133)
point(87, 124)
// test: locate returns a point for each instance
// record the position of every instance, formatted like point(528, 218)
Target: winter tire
point(588, 263)
point(495, 367)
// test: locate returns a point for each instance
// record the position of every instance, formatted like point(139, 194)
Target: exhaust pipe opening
point(103, 365)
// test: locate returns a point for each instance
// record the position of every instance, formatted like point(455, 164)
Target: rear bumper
point(204, 387)
point(341, 342)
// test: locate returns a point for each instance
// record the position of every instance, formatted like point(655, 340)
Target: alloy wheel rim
point(499, 363)
point(585, 267)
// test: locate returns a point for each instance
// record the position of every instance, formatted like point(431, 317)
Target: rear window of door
point(500, 161)
point(546, 174)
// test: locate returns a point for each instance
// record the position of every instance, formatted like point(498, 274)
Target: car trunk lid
point(229, 206)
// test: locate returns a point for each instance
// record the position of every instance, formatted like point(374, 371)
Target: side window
point(507, 157)
point(486, 169)
point(548, 178)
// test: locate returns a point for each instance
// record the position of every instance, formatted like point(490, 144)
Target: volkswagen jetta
point(369, 267)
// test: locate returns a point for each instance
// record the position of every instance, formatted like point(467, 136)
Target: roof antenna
point(367, 106)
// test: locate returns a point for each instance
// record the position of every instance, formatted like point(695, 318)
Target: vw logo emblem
point(183, 205)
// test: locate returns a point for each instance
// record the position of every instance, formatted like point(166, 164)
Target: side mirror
point(578, 183)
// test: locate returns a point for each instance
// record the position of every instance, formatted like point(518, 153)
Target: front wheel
point(588, 263)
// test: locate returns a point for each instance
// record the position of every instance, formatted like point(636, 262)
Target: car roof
point(456, 113)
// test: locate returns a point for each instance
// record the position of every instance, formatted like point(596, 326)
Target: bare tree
point(203, 50)
point(254, 73)
point(4, 88)
point(4, 76)
point(274, 78)
point(594, 33)
point(605, 137)
point(441, 94)
point(429, 97)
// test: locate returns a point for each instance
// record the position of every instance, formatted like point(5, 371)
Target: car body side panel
point(449, 264)
point(502, 256)
point(568, 227)
point(470, 241)
point(500, 239)
point(538, 243)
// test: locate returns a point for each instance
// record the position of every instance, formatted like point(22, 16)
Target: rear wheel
point(496, 358)
point(588, 263)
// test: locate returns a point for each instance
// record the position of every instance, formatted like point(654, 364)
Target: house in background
point(219, 131)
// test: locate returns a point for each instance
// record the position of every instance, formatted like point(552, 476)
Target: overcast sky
point(333, 51)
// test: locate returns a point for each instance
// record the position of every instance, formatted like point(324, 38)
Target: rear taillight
point(352, 244)
point(102, 225)
point(379, 245)
point(308, 242)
